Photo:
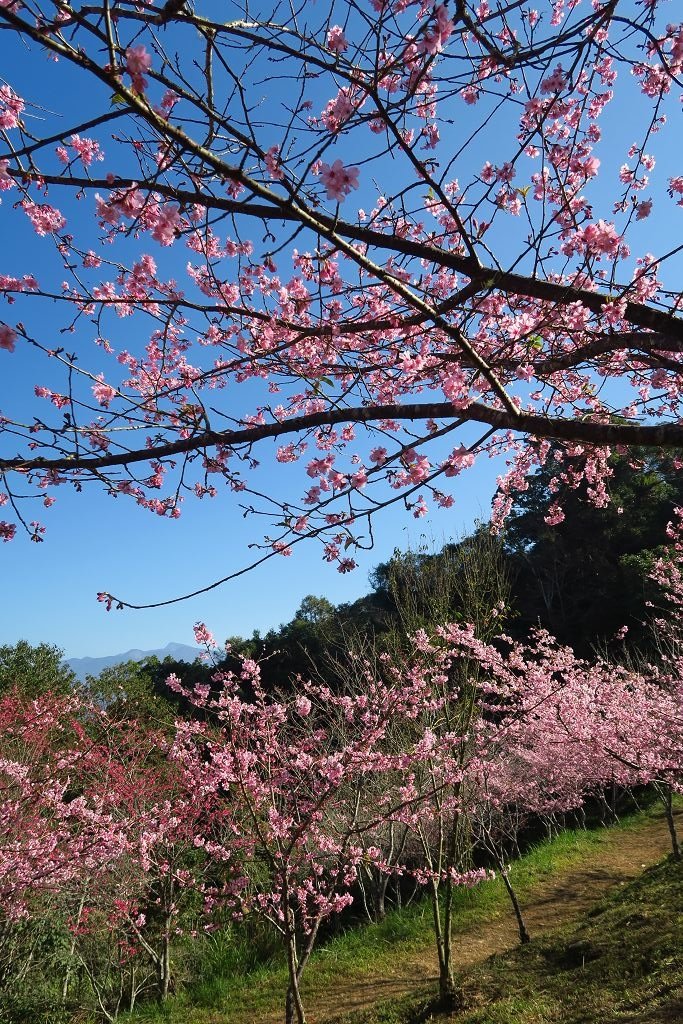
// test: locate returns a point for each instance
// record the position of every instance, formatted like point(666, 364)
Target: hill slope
point(621, 963)
point(387, 974)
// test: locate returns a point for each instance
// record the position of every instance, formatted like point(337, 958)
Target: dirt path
point(622, 856)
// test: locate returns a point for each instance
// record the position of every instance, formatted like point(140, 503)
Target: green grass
point(623, 964)
point(225, 993)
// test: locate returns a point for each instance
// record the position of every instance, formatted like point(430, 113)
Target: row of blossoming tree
point(194, 282)
point(273, 805)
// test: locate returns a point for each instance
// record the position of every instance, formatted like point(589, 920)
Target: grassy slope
point(623, 964)
point(364, 953)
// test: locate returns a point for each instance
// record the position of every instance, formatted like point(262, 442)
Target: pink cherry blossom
point(167, 224)
point(7, 337)
point(138, 61)
point(555, 82)
point(336, 40)
point(103, 393)
point(6, 179)
point(203, 636)
point(87, 149)
point(338, 179)
point(601, 237)
point(45, 219)
point(438, 34)
point(11, 108)
point(272, 161)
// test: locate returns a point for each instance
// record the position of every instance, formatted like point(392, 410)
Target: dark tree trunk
point(524, 936)
point(666, 797)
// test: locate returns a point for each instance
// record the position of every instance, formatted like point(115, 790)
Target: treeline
point(587, 579)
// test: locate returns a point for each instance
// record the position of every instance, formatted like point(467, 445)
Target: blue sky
point(97, 543)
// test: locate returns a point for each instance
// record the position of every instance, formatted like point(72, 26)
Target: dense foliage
point(583, 579)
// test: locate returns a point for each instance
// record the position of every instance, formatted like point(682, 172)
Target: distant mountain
point(93, 666)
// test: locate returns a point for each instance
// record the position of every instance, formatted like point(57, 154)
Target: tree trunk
point(666, 796)
point(370, 914)
point(294, 1011)
point(613, 804)
point(380, 906)
point(164, 962)
point(443, 948)
point(72, 950)
point(447, 993)
point(524, 936)
point(294, 1008)
point(446, 986)
point(133, 991)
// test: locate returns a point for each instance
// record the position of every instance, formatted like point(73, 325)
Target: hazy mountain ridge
point(93, 666)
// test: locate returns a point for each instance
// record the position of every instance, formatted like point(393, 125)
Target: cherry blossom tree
point(667, 574)
point(563, 728)
point(216, 297)
point(130, 914)
point(59, 835)
point(54, 827)
point(302, 776)
point(530, 729)
point(99, 827)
